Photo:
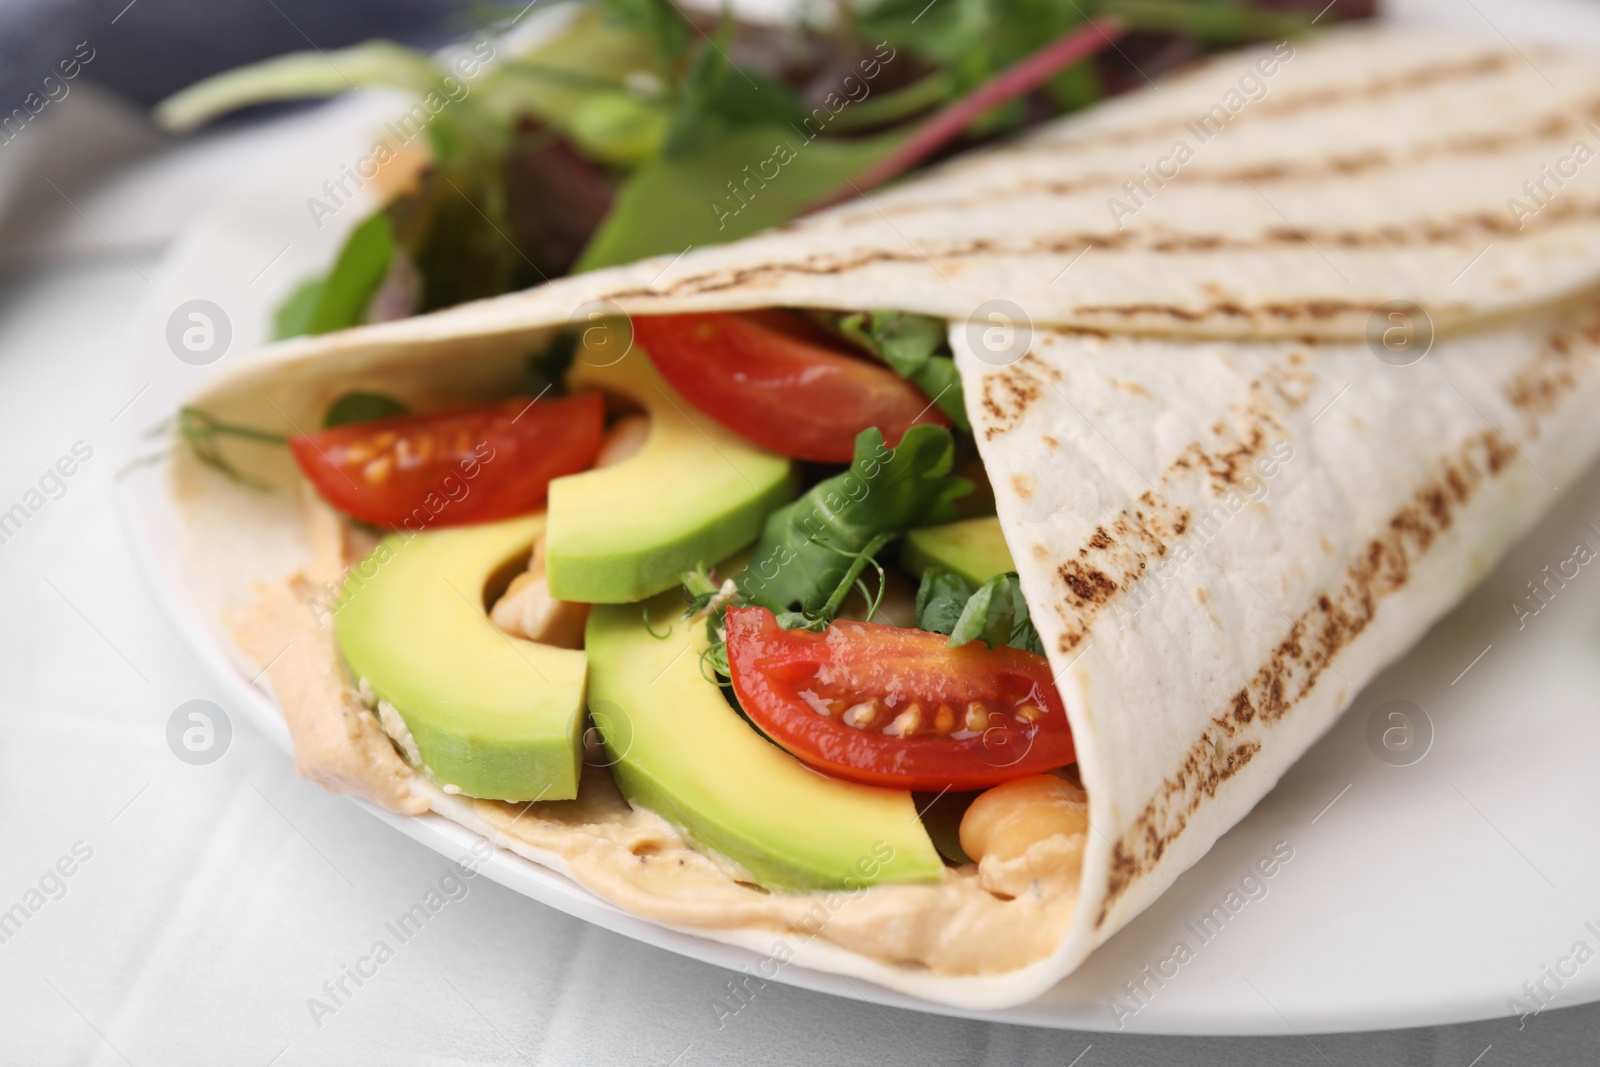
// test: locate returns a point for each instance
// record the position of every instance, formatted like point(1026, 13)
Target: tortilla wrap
point(1223, 532)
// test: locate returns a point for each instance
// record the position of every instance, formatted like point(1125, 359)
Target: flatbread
point(1227, 511)
point(1234, 537)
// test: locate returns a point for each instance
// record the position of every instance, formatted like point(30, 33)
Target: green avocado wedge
point(973, 548)
point(491, 715)
point(693, 494)
point(680, 750)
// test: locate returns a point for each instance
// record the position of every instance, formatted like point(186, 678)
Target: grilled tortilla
point(1226, 513)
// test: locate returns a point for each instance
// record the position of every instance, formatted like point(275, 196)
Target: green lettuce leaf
point(340, 299)
point(914, 347)
point(293, 317)
point(973, 40)
point(941, 598)
point(724, 185)
point(361, 407)
point(810, 549)
point(994, 613)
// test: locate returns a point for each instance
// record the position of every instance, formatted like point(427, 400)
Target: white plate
point(1415, 895)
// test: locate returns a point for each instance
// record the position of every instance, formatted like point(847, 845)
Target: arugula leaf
point(995, 613)
point(722, 187)
point(941, 598)
point(362, 407)
point(905, 342)
point(851, 579)
point(715, 95)
point(1217, 23)
point(340, 299)
point(973, 40)
point(940, 381)
point(1023, 633)
point(989, 613)
point(293, 317)
point(820, 543)
point(914, 347)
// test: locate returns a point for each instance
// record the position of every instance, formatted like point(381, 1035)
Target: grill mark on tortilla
point(1551, 127)
point(1335, 619)
point(1115, 560)
point(1460, 230)
point(1536, 388)
point(1005, 395)
point(1380, 88)
point(1312, 310)
point(1121, 550)
point(1147, 530)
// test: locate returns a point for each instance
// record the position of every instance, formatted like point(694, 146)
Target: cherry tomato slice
point(781, 388)
point(454, 466)
point(888, 706)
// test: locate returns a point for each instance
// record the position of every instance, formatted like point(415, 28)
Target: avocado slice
point(680, 750)
point(491, 715)
point(973, 548)
point(694, 494)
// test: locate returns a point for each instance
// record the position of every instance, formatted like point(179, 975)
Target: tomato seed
point(906, 723)
point(861, 715)
point(977, 718)
point(377, 472)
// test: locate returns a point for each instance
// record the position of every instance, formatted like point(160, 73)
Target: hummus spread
point(338, 741)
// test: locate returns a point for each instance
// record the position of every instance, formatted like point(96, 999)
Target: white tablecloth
point(207, 905)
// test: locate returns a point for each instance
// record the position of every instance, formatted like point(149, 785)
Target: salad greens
point(341, 297)
point(761, 176)
point(361, 407)
point(916, 348)
point(994, 613)
point(639, 129)
point(941, 598)
point(813, 551)
point(973, 40)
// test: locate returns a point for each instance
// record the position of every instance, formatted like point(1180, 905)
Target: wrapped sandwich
point(915, 590)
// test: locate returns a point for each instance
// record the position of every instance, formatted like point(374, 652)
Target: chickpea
point(527, 609)
point(1024, 830)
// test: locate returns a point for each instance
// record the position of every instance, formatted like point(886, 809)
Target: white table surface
point(218, 899)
